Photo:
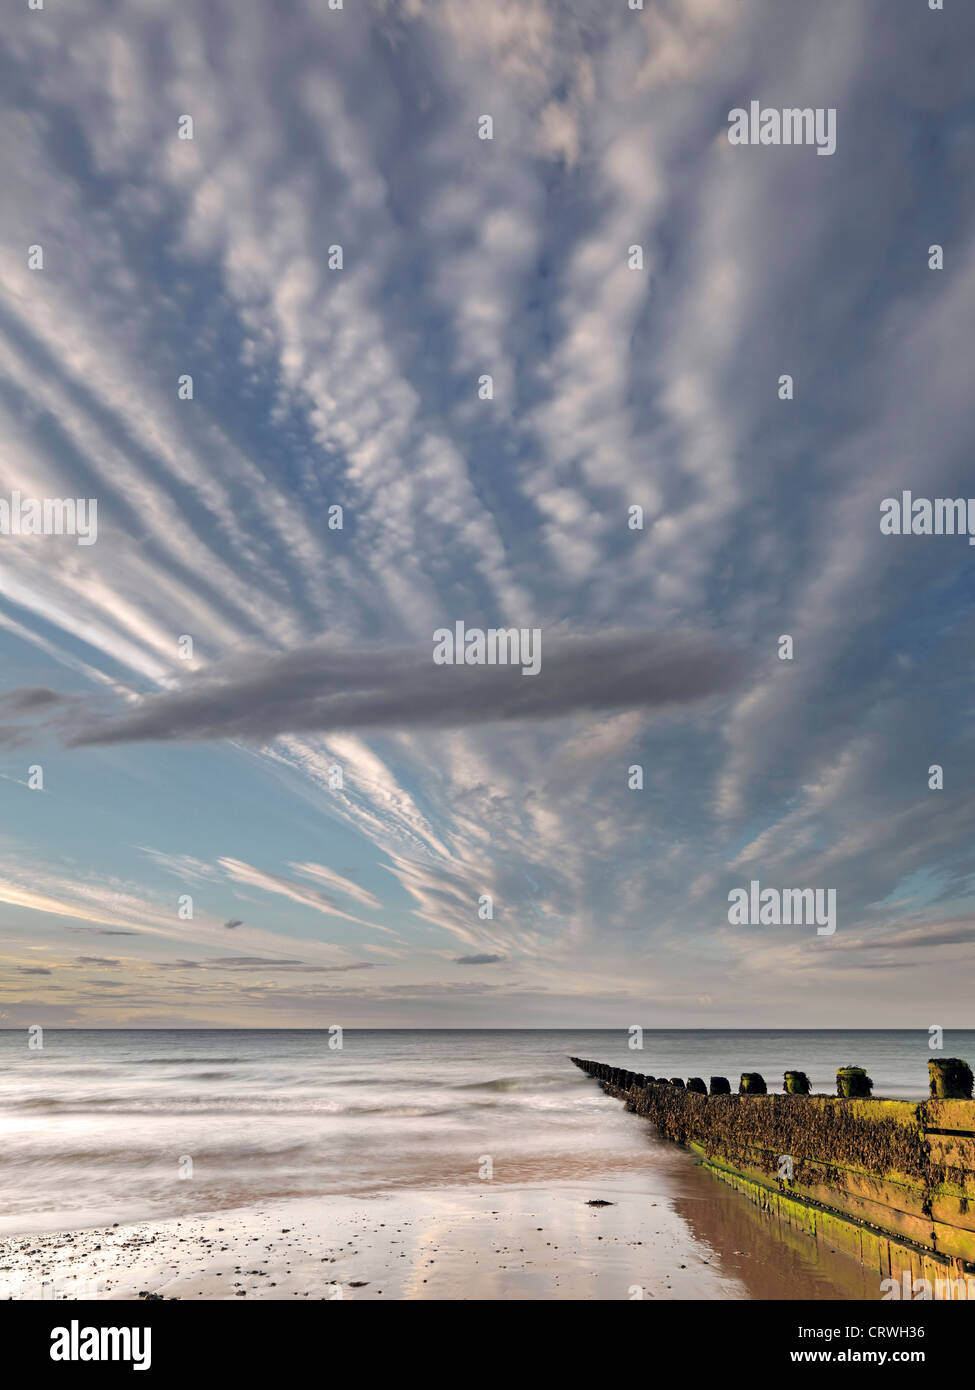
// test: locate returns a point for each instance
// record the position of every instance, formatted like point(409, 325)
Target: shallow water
point(100, 1126)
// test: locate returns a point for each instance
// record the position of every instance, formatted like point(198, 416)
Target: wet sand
point(692, 1239)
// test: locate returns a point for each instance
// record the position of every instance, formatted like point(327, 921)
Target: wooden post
point(951, 1079)
point(853, 1083)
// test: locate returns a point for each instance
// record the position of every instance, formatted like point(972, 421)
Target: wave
point(547, 1081)
point(177, 1061)
point(223, 1105)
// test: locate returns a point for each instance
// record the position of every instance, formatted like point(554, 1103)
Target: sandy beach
point(491, 1244)
point(512, 1243)
point(488, 1245)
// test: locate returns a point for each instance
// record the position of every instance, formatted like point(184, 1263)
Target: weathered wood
point(892, 1180)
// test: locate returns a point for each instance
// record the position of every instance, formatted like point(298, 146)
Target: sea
point(103, 1126)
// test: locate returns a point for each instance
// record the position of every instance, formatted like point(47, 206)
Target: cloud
point(28, 699)
point(315, 898)
point(478, 960)
point(102, 931)
point(916, 940)
point(234, 922)
point(337, 881)
point(265, 963)
point(33, 710)
point(325, 687)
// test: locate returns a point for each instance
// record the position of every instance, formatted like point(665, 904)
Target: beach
point(527, 1243)
point(506, 1244)
point(216, 1165)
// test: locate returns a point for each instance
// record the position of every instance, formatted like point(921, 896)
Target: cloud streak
point(325, 687)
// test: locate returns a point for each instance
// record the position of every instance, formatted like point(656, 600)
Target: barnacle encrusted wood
point(901, 1172)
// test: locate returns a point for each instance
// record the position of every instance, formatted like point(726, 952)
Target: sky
point(367, 837)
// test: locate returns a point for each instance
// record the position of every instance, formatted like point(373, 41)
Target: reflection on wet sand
point(772, 1259)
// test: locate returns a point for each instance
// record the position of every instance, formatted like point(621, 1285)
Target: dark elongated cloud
point(263, 963)
point(325, 686)
point(28, 698)
point(102, 931)
point(32, 708)
point(478, 960)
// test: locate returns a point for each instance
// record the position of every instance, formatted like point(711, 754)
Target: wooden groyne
point(890, 1182)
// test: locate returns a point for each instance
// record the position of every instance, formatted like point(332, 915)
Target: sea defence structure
point(889, 1182)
